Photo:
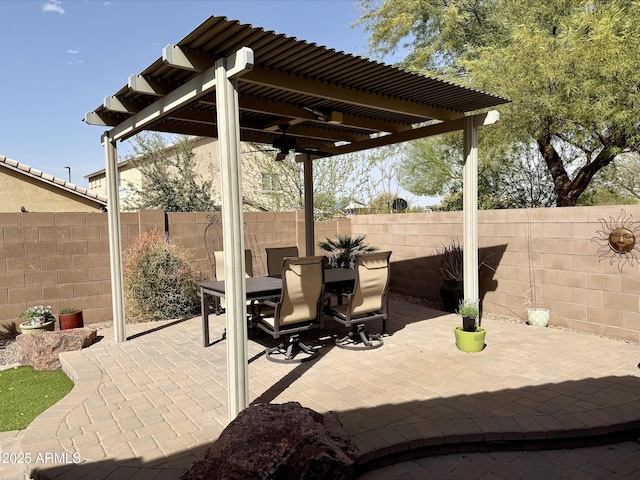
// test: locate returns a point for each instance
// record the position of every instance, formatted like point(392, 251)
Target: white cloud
point(73, 51)
point(53, 6)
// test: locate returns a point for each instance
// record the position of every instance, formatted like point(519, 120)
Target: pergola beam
point(186, 59)
point(239, 63)
point(306, 86)
point(148, 86)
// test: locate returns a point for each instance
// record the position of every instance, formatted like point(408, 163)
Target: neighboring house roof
point(50, 179)
point(101, 173)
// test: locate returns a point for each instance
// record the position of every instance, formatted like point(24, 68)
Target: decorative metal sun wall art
point(617, 240)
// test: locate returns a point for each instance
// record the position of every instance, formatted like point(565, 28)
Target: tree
point(569, 67)
point(506, 179)
point(335, 180)
point(169, 180)
point(618, 184)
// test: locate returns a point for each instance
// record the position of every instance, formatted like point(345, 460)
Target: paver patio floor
point(149, 407)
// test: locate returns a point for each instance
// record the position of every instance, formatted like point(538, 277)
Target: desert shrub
point(160, 280)
point(343, 252)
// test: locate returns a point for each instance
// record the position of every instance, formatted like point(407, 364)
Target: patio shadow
point(551, 416)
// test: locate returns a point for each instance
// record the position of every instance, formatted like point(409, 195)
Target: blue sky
point(62, 57)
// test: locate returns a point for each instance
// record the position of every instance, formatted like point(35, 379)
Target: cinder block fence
point(62, 259)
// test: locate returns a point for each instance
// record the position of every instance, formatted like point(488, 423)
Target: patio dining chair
point(218, 273)
point(275, 256)
point(368, 301)
point(299, 309)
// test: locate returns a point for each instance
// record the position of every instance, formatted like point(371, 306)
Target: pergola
point(236, 83)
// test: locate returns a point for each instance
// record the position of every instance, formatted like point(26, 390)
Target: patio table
point(261, 288)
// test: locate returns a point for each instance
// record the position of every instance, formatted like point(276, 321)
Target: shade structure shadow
point(551, 416)
point(421, 276)
point(529, 418)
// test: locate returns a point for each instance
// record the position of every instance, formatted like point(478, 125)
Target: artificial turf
point(26, 393)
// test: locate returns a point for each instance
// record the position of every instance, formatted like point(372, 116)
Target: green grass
point(26, 393)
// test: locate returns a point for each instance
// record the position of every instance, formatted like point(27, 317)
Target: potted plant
point(450, 264)
point(469, 312)
point(70, 317)
point(469, 337)
point(38, 319)
point(344, 250)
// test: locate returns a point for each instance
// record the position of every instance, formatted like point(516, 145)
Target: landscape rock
point(279, 442)
point(41, 350)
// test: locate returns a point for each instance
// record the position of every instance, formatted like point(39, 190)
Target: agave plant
point(344, 250)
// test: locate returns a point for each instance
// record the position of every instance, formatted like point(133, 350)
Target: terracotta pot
point(71, 320)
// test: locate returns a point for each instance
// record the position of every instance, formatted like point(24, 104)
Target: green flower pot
point(470, 341)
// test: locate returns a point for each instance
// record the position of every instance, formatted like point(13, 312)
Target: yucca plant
point(344, 250)
point(450, 261)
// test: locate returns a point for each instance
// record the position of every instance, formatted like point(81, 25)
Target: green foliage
point(169, 178)
point(343, 251)
point(618, 184)
point(38, 314)
point(450, 261)
point(569, 67)
point(160, 280)
point(468, 308)
point(68, 310)
point(513, 178)
point(27, 393)
point(334, 180)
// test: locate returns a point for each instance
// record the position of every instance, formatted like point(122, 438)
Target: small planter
point(71, 320)
point(27, 329)
point(470, 341)
point(538, 317)
point(469, 324)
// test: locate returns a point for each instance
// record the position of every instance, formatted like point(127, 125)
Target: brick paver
point(152, 404)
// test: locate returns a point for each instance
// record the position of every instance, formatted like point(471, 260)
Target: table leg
point(204, 306)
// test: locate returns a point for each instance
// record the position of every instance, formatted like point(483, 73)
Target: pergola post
point(228, 122)
point(115, 242)
point(309, 226)
point(470, 209)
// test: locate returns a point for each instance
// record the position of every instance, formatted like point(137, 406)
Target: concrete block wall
point(583, 291)
point(56, 259)
point(62, 259)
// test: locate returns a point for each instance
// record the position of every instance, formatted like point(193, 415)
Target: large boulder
point(278, 442)
point(41, 350)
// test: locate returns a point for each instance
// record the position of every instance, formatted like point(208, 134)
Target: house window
point(270, 183)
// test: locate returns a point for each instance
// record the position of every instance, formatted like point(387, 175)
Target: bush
point(160, 280)
point(343, 252)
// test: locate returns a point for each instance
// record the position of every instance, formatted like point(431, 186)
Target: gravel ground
point(8, 351)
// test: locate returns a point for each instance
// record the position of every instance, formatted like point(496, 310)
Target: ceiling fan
point(283, 144)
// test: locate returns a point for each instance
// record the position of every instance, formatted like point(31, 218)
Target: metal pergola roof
point(332, 102)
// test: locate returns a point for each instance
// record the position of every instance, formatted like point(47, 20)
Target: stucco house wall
point(23, 188)
point(207, 160)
